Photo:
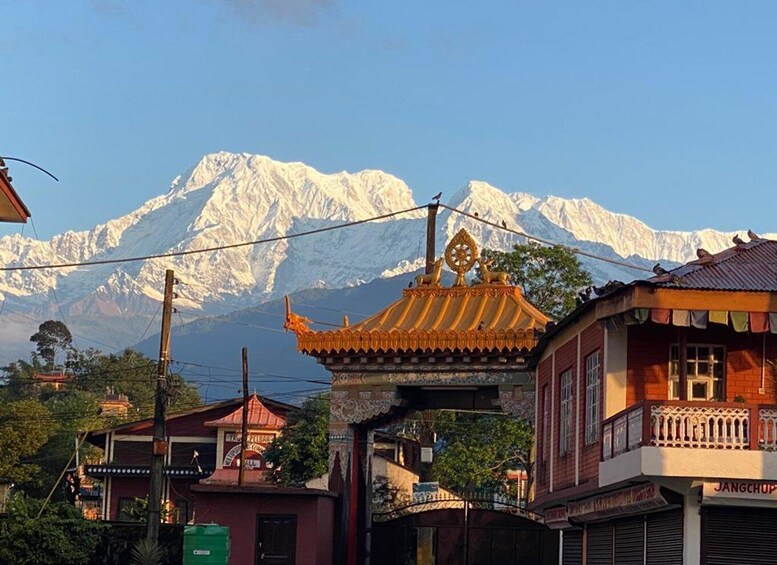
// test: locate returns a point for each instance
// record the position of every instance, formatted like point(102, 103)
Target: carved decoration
point(433, 278)
point(368, 406)
point(491, 277)
point(294, 322)
point(460, 255)
point(519, 404)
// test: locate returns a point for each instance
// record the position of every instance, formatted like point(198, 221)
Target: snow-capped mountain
point(231, 198)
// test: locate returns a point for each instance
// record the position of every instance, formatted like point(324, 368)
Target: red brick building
point(656, 417)
point(12, 209)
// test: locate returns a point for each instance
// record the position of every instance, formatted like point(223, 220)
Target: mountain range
point(231, 198)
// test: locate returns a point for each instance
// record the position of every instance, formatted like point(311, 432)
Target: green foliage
point(61, 536)
point(25, 426)
point(146, 552)
point(550, 277)
point(51, 338)
point(478, 449)
point(301, 452)
point(37, 435)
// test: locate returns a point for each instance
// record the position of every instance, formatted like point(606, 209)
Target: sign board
point(427, 454)
point(619, 503)
point(236, 437)
point(424, 490)
point(556, 518)
point(201, 552)
point(759, 493)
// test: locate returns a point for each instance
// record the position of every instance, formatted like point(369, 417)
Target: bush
point(61, 536)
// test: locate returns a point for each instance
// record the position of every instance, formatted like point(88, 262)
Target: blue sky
point(663, 110)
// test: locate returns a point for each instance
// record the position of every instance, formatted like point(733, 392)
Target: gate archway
point(461, 347)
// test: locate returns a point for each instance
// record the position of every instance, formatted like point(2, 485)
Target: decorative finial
point(432, 279)
point(345, 321)
point(297, 324)
point(460, 255)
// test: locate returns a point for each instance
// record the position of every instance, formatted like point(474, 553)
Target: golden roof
point(492, 316)
point(467, 319)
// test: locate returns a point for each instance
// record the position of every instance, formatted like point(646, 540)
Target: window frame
point(565, 406)
point(709, 379)
point(593, 398)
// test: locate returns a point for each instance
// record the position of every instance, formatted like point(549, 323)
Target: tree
point(301, 452)
point(61, 536)
point(25, 426)
point(477, 450)
point(51, 338)
point(550, 277)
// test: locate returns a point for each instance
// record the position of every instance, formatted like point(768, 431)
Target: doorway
point(276, 539)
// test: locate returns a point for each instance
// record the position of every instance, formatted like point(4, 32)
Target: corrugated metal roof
point(259, 416)
point(748, 267)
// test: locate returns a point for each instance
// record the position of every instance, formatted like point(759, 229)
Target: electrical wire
point(209, 249)
point(575, 250)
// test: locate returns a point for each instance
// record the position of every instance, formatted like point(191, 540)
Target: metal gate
point(456, 531)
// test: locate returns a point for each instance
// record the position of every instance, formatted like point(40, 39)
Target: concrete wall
point(239, 511)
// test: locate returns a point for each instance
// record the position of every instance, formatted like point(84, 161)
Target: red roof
point(12, 209)
point(748, 267)
point(259, 416)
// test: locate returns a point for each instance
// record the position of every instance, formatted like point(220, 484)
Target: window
point(592, 398)
point(565, 417)
point(705, 369)
point(545, 421)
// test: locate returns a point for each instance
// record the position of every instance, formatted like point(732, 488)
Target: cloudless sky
point(663, 110)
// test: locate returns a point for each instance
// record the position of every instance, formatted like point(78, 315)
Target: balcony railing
point(695, 425)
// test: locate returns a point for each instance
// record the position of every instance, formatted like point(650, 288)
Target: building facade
point(656, 417)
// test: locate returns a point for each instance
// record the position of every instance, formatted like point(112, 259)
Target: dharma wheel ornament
point(460, 255)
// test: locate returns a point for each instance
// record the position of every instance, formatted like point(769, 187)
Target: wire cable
point(209, 249)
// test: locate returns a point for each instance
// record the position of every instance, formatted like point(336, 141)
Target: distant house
point(114, 404)
point(56, 379)
point(201, 481)
point(12, 209)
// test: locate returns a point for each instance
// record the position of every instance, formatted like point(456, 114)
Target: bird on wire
point(437, 197)
point(504, 224)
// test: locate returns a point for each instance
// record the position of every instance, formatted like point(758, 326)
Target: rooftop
point(12, 209)
point(259, 416)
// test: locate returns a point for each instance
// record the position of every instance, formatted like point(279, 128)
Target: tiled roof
point(748, 267)
point(488, 317)
point(259, 416)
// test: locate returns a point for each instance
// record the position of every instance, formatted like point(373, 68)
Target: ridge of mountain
point(236, 197)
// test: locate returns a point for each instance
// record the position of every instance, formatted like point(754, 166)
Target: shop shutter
point(745, 536)
point(665, 538)
point(630, 541)
point(599, 545)
point(572, 552)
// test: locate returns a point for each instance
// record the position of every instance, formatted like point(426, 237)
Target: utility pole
point(244, 423)
point(159, 443)
point(431, 232)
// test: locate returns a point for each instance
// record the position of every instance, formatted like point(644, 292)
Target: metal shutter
point(630, 541)
point(745, 536)
point(599, 546)
point(572, 552)
point(665, 538)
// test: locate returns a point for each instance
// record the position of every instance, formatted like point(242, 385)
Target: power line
point(209, 249)
point(575, 250)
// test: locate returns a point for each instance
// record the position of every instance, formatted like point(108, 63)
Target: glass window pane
point(718, 353)
point(703, 368)
point(674, 353)
point(704, 352)
point(690, 368)
point(719, 394)
point(699, 390)
point(690, 352)
point(717, 370)
point(674, 368)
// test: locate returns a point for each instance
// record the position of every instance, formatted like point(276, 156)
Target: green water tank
point(206, 544)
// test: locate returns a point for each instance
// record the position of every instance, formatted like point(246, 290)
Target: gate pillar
point(353, 415)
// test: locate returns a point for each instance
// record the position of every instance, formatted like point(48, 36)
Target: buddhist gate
point(462, 347)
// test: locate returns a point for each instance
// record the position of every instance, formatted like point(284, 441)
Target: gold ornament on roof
point(460, 255)
point(487, 276)
point(433, 278)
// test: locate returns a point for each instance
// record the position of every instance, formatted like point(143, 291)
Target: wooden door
point(276, 539)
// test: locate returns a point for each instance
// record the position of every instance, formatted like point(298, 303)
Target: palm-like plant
point(146, 552)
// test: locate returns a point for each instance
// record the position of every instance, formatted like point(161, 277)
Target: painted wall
point(239, 511)
point(648, 361)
